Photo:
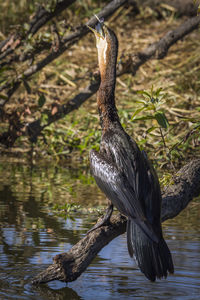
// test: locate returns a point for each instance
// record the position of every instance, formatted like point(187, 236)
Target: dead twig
point(41, 17)
point(66, 42)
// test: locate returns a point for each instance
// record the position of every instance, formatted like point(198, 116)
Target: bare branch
point(159, 49)
point(41, 17)
point(41, 46)
point(34, 128)
point(66, 42)
point(69, 266)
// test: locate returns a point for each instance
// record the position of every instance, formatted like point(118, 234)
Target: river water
point(33, 230)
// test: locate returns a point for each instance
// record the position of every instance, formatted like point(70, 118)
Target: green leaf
point(144, 118)
point(152, 91)
point(144, 102)
point(44, 119)
point(137, 112)
point(151, 107)
point(161, 119)
point(151, 129)
point(157, 92)
point(41, 100)
point(144, 93)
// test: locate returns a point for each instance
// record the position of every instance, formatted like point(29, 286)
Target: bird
point(124, 173)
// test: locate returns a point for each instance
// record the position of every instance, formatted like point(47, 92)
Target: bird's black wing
point(126, 156)
point(117, 188)
point(139, 174)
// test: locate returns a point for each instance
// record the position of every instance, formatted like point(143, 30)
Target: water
point(31, 234)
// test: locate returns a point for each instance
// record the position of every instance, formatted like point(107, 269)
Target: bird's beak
point(98, 31)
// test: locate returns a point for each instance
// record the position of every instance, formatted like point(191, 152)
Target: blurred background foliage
point(159, 106)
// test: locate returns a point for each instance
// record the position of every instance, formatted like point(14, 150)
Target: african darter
point(125, 174)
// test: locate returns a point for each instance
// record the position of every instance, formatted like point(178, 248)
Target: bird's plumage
point(117, 171)
point(126, 176)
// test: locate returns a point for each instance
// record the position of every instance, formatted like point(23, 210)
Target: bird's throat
point(106, 93)
point(106, 105)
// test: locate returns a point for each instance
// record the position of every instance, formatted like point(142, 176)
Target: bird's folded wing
point(115, 185)
point(117, 188)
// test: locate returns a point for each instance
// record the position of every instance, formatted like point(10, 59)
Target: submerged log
point(69, 266)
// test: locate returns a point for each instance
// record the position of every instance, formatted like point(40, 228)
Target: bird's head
point(107, 45)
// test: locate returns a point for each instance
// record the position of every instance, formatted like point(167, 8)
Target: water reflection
point(31, 234)
point(59, 293)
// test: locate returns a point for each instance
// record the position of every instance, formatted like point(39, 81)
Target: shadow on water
point(32, 233)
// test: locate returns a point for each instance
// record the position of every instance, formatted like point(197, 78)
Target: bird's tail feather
point(153, 259)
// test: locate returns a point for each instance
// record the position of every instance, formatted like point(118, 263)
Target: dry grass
point(178, 75)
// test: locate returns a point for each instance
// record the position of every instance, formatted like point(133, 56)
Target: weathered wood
point(186, 186)
point(69, 266)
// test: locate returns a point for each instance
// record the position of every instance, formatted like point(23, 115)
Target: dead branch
point(34, 129)
point(129, 65)
point(66, 42)
point(159, 49)
point(37, 22)
point(41, 17)
point(69, 266)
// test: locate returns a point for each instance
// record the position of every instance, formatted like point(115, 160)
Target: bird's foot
point(105, 220)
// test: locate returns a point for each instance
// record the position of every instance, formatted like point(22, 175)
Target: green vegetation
point(159, 106)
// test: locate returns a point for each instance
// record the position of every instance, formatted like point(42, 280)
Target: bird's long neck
point(106, 93)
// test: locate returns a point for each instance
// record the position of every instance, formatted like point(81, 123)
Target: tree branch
point(41, 17)
point(66, 42)
point(159, 49)
point(34, 129)
point(40, 46)
point(69, 266)
point(129, 65)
